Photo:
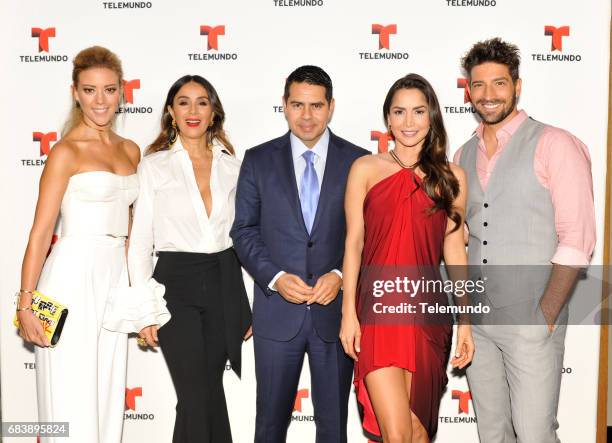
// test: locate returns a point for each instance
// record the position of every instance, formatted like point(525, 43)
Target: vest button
point(486, 205)
point(484, 242)
point(310, 244)
point(484, 260)
point(485, 224)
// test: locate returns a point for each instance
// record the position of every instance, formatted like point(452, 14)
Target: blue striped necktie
point(309, 190)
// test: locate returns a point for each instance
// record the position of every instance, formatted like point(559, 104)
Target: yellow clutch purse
point(52, 316)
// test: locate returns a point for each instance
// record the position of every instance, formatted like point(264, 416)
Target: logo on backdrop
point(556, 38)
point(43, 38)
point(212, 34)
point(556, 35)
point(128, 89)
point(463, 415)
point(282, 3)
point(462, 83)
point(279, 109)
point(382, 139)
point(298, 406)
point(44, 141)
point(129, 86)
point(463, 398)
point(127, 5)
point(384, 33)
point(470, 3)
point(131, 395)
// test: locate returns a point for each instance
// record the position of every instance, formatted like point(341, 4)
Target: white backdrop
point(565, 84)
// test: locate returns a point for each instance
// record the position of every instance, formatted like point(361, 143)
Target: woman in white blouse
point(183, 215)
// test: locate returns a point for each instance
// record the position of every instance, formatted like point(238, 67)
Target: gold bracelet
point(26, 291)
point(27, 308)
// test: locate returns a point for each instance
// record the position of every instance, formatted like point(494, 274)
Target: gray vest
point(512, 223)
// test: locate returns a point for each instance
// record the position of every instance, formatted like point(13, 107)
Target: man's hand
point(560, 286)
point(293, 289)
point(326, 289)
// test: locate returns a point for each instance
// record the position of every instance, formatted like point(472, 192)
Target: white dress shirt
point(299, 166)
point(170, 215)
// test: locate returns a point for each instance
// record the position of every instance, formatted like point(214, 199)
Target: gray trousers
point(515, 379)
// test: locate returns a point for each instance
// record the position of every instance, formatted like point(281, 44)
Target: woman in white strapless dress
point(89, 180)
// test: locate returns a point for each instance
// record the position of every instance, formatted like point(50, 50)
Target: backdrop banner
point(247, 49)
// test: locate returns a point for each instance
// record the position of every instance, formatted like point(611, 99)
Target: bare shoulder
point(458, 172)
point(131, 149)
point(365, 166)
point(65, 151)
point(363, 161)
point(371, 162)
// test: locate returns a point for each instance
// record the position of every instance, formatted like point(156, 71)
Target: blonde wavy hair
point(93, 57)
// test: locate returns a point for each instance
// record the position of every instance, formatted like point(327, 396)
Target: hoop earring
point(174, 134)
point(212, 120)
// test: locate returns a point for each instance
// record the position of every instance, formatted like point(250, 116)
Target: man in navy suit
point(289, 233)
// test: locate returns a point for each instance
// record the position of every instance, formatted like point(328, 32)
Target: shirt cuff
point(337, 272)
point(568, 256)
point(130, 309)
point(273, 281)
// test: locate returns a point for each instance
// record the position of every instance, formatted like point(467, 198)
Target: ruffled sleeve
point(129, 309)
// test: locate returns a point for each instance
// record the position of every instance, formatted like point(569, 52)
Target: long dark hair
point(215, 132)
point(439, 183)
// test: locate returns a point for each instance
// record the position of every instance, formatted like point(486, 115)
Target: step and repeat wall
point(247, 49)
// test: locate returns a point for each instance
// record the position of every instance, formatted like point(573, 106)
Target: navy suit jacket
point(270, 236)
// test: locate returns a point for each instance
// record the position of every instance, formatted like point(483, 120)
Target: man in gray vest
point(531, 223)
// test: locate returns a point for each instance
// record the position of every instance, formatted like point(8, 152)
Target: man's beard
point(496, 118)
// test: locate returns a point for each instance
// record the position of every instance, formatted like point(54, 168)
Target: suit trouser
point(515, 379)
point(193, 344)
point(278, 365)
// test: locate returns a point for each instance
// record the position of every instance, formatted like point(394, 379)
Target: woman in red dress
point(404, 212)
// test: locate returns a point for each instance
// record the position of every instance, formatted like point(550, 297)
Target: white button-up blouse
point(170, 215)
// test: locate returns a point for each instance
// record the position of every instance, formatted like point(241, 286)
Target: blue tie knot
point(308, 156)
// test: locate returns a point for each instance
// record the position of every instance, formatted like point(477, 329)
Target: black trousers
point(194, 346)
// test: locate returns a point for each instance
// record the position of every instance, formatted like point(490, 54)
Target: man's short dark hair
point(493, 50)
point(313, 75)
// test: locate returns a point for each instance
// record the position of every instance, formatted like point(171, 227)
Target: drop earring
point(174, 133)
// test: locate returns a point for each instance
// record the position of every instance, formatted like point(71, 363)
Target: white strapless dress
point(82, 379)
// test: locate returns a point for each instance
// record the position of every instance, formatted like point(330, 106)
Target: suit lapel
point(287, 177)
point(331, 179)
